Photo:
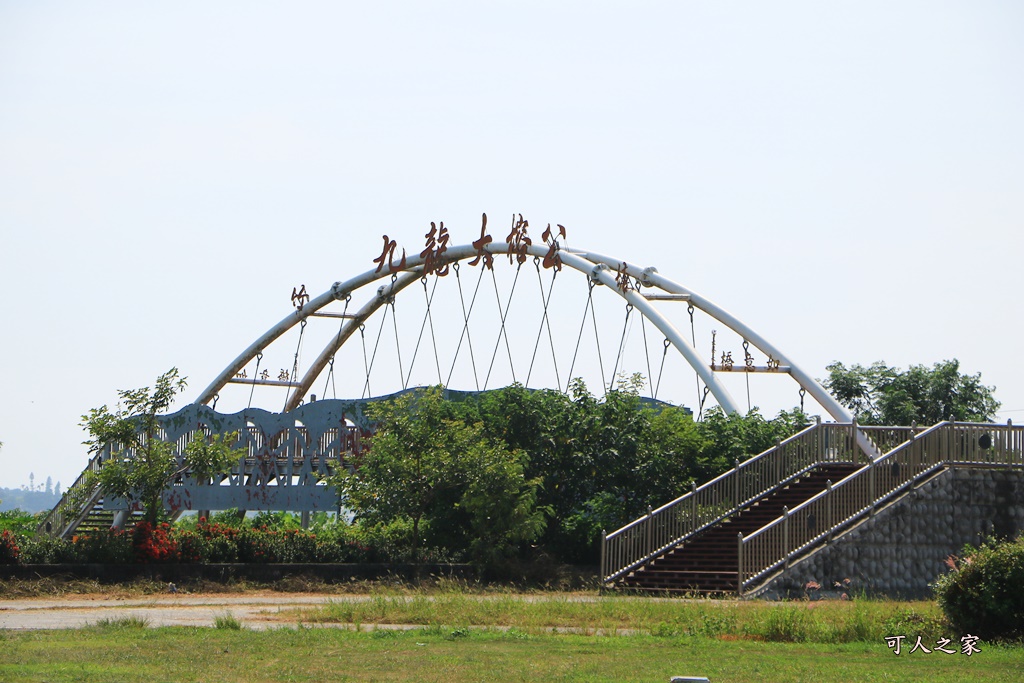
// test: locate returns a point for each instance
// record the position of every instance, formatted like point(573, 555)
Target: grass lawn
point(116, 652)
point(454, 634)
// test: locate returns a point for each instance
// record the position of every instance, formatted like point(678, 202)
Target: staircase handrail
point(877, 483)
point(77, 499)
point(641, 540)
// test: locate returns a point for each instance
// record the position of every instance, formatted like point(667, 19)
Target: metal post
point(1016, 443)
point(604, 544)
point(736, 487)
point(650, 531)
point(785, 535)
point(853, 426)
point(828, 511)
point(778, 463)
point(871, 486)
point(739, 564)
point(120, 518)
point(693, 507)
point(912, 450)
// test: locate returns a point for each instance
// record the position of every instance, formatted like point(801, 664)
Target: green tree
point(141, 465)
point(460, 489)
point(885, 395)
point(602, 462)
point(512, 465)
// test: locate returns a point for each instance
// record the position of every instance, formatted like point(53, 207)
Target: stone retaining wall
point(901, 550)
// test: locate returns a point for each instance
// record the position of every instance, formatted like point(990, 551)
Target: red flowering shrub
point(154, 543)
point(9, 548)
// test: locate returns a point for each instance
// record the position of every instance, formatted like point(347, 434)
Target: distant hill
point(29, 501)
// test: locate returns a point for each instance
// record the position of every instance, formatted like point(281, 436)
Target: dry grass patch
point(821, 622)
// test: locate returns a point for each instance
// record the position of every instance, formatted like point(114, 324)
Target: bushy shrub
point(201, 541)
point(258, 546)
point(191, 546)
point(341, 543)
point(392, 541)
point(983, 595)
point(218, 541)
point(296, 546)
point(113, 546)
point(19, 522)
point(43, 549)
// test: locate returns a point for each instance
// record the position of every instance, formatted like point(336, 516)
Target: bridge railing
point(773, 546)
point(645, 538)
point(888, 438)
point(291, 456)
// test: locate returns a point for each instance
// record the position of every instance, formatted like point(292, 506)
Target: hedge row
point(213, 542)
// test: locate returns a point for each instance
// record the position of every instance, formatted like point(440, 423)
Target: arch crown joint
point(645, 276)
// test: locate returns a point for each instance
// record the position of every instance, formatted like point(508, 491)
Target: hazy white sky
point(844, 177)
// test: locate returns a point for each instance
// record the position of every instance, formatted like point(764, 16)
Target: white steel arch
point(599, 268)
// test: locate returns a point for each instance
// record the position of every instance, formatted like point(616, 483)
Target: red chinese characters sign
point(435, 261)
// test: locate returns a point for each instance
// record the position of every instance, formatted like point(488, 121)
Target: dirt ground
point(257, 609)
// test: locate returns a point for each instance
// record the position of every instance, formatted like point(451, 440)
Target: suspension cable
point(341, 329)
point(545, 302)
point(366, 365)
point(398, 340)
point(693, 342)
point(298, 349)
point(622, 341)
point(373, 356)
point(747, 365)
point(503, 332)
point(295, 363)
point(661, 369)
point(579, 338)
point(597, 340)
point(647, 353)
point(330, 379)
point(427, 317)
point(465, 325)
point(433, 337)
point(255, 374)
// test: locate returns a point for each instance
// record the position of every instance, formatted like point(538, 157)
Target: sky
point(845, 178)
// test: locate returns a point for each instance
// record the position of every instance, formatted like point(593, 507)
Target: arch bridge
point(485, 314)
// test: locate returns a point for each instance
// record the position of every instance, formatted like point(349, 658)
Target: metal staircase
point(740, 529)
point(708, 562)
